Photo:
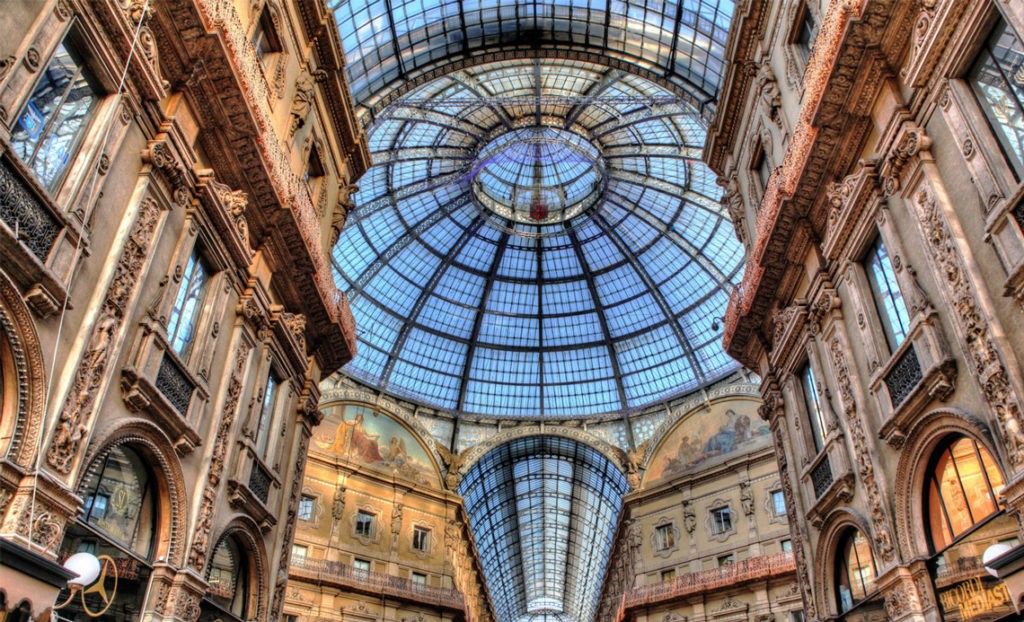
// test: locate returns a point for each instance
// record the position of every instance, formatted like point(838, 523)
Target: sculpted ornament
point(973, 329)
point(341, 210)
point(93, 369)
point(303, 101)
point(204, 522)
point(689, 517)
point(747, 498)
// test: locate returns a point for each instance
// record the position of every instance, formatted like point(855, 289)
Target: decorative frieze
point(94, 367)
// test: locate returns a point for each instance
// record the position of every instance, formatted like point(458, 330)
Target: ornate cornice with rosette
point(934, 25)
point(847, 201)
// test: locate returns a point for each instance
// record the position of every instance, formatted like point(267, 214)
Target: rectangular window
point(778, 503)
point(805, 34)
point(997, 79)
point(726, 560)
point(50, 128)
point(668, 575)
point(721, 520)
point(814, 411)
point(364, 524)
point(418, 578)
point(266, 414)
point(314, 170)
point(796, 616)
point(885, 290)
point(664, 537)
point(181, 326)
point(306, 505)
point(265, 38)
point(420, 538)
point(299, 551)
point(762, 167)
point(787, 546)
point(361, 565)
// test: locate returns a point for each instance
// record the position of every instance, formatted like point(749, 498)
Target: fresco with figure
point(368, 437)
point(703, 436)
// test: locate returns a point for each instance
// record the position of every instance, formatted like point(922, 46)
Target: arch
point(152, 443)
point(248, 536)
point(473, 454)
point(20, 421)
point(922, 440)
point(391, 437)
point(702, 103)
point(730, 417)
point(833, 530)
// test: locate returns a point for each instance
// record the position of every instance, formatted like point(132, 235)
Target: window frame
point(719, 526)
point(303, 499)
point(872, 253)
point(944, 447)
point(774, 496)
point(813, 407)
point(74, 43)
point(265, 419)
point(196, 257)
point(371, 529)
point(1014, 162)
point(803, 49)
point(849, 538)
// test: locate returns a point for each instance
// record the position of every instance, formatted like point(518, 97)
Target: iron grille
point(904, 376)
point(35, 226)
point(175, 384)
point(821, 477)
point(259, 482)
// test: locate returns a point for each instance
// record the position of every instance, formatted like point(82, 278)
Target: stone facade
point(881, 156)
point(676, 557)
point(177, 144)
point(413, 558)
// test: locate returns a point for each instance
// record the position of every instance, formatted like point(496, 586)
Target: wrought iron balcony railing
point(348, 576)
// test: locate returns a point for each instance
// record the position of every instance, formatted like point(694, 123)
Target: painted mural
point(376, 440)
point(703, 436)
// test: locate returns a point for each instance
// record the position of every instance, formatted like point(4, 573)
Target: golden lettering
point(972, 599)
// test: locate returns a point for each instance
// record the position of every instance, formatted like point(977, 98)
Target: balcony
point(759, 568)
point(342, 575)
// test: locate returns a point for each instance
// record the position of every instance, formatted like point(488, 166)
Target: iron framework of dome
point(537, 238)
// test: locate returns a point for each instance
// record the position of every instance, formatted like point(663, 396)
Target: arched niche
point(237, 570)
point(835, 531)
point(367, 436)
point(704, 434)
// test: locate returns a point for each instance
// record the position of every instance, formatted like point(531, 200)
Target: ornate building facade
point(872, 160)
point(172, 177)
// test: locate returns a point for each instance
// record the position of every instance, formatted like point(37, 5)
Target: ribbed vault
point(392, 43)
point(543, 511)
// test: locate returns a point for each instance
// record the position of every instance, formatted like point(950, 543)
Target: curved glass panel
point(387, 42)
point(228, 578)
point(119, 500)
point(855, 570)
point(487, 276)
point(543, 511)
point(961, 489)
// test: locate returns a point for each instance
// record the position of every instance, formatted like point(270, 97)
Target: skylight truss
point(543, 511)
point(393, 45)
point(610, 309)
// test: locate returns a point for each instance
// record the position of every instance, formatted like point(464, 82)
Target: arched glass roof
point(538, 238)
point(543, 510)
point(392, 43)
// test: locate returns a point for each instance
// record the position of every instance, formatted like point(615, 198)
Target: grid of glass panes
point(892, 309)
point(543, 512)
point(684, 43)
point(184, 315)
point(778, 503)
point(307, 503)
point(364, 524)
point(536, 320)
point(53, 121)
point(266, 414)
point(721, 520)
point(421, 538)
point(998, 81)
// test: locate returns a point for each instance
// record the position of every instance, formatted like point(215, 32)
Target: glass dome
point(538, 238)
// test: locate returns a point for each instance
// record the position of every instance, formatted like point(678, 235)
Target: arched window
point(962, 484)
point(119, 499)
point(855, 570)
point(119, 519)
point(229, 578)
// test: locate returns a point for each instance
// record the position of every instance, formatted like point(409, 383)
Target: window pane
point(892, 310)
point(53, 120)
point(961, 490)
point(306, 504)
point(266, 414)
point(814, 408)
point(119, 499)
point(778, 503)
point(187, 305)
point(998, 81)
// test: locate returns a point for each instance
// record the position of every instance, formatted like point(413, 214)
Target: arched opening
point(855, 570)
point(963, 517)
point(231, 594)
point(119, 519)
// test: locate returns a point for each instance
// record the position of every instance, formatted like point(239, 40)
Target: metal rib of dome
point(394, 45)
point(607, 311)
